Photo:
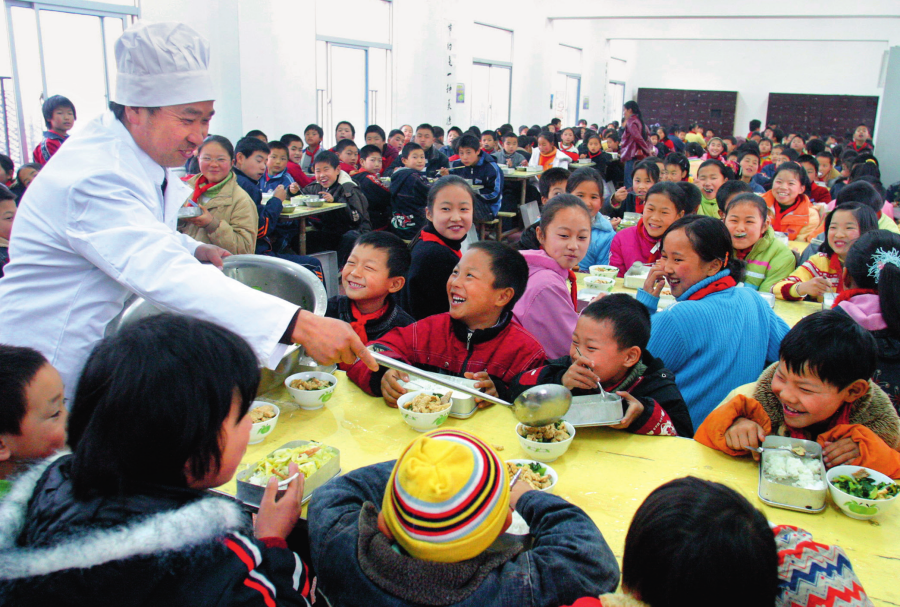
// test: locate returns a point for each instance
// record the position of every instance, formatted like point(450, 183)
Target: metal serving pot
point(271, 275)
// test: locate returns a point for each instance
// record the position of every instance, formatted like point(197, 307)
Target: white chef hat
point(162, 64)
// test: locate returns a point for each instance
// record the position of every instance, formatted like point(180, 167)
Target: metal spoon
point(537, 406)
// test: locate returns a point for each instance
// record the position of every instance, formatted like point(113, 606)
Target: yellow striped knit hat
point(447, 498)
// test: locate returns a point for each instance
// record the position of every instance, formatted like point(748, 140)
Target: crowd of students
point(713, 218)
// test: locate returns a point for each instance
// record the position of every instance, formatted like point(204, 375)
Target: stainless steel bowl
point(271, 275)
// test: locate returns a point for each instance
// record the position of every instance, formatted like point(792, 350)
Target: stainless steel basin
point(271, 275)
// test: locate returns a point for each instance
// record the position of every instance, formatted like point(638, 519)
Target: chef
point(98, 224)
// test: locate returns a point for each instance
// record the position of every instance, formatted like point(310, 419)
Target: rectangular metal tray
point(587, 411)
point(252, 494)
point(788, 497)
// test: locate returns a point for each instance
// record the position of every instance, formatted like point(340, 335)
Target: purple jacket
point(634, 145)
point(631, 245)
point(545, 309)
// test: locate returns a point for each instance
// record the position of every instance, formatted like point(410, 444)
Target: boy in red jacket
point(477, 339)
point(59, 115)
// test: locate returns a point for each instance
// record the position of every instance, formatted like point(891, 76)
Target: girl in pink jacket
point(547, 308)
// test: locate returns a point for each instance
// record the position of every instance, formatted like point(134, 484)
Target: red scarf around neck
point(841, 416)
point(726, 282)
point(310, 152)
point(574, 290)
point(429, 237)
point(200, 186)
point(656, 251)
point(359, 319)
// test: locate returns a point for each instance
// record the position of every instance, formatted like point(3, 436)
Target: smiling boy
point(820, 390)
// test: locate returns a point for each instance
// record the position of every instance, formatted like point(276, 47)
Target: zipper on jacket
point(465, 364)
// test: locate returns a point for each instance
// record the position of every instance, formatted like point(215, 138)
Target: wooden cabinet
point(837, 115)
point(710, 109)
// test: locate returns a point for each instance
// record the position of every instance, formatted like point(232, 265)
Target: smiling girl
point(548, 307)
point(715, 150)
point(702, 272)
point(666, 202)
point(792, 212)
point(546, 155)
point(644, 176)
point(436, 249)
point(821, 273)
point(710, 177)
point(768, 259)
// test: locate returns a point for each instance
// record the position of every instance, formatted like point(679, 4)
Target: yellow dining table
point(606, 472)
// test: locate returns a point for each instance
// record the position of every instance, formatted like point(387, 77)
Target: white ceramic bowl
point(545, 452)
point(259, 432)
point(554, 477)
point(607, 271)
point(600, 282)
point(311, 399)
point(421, 422)
point(857, 507)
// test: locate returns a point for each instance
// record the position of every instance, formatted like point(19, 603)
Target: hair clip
point(880, 258)
point(872, 160)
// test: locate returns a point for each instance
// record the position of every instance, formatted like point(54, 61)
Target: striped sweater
point(713, 344)
point(768, 262)
point(819, 264)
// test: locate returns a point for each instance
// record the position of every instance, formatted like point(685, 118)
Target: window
point(491, 77)
point(567, 85)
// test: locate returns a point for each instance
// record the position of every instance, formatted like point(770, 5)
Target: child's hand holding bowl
point(327, 196)
point(391, 389)
point(485, 384)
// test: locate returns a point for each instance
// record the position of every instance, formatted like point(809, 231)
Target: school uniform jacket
point(164, 546)
point(797, 221)
point(769, 262)
point(488, 174)
point(433, 260)
point(309, 155)
point(409, 197)
point(48, 146)
point(268, 214)
point(355, 216)
point(444, 345)
point(237, 215)
point(436, 162)
point(822, 265)
point(561, 160)
point(378, 197)
point(268, 183)
point(546, 308)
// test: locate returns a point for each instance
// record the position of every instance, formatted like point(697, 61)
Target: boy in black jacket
point(409, 193)
point(482, 169)
point(609, 347)
point(250, 156)
point(377, 195)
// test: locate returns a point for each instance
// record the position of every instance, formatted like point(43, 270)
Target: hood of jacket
point(402, 175)
point(539, 260)
point(602, 223)
point(865, 309)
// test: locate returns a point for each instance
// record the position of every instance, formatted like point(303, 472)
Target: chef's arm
point(327, 340)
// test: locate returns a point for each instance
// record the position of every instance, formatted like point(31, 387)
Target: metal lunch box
point(595, 410)
point(462, 405)
point(789, 497)
point(252, 494)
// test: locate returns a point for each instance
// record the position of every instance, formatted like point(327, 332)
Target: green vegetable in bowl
point(866, 487)
point(537, 468)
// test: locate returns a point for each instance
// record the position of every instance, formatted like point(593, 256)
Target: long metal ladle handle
point(393, 363)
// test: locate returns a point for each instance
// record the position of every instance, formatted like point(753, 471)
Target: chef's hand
point(634, 410)
point(327, 196)
point(655, 279)
point(329, 340)
point(485, 384)
point(391, 390)
point(212, 254)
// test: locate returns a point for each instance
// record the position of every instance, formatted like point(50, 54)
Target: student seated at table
point(373, 274)
point(489, 142)
point(820, 389)
point(666, 203)
point(768, 259)
point(550, 183)
point(313, 134)
point(822, 272)
point(435, 162)
point(548, 307)
point(509, 154)
point(373, 546)
point(32, 412)
point(377, 194)
point(609, 347)
point(644, 176)
point(671, 557)
point(250, 156)
point(276, 171)
point(587, 184)
point(375, 137)
point(348, 154)
point(815, 192)
point(336, 230)
point(593, 151)
point(792, 211)
point(483, 170)
point(127, 513)
point(711, 175)
point(229, 218)
point(748, 168)
point(871, 298)
point(59, 116)
point(409, 193)
point(702, 272)
point(478, 339)
point(547, 155)
point(295, 157)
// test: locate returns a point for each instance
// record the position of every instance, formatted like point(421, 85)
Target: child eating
point(711, 175)
point(127, 513)
point(481, 168)
point(546, 155)
point(478, 339)
point(587, 185)
point(645, 175)
point(374, 546)
point(373, 273)
point(32, 411)
point(792, 212)
point(821, 273)
point(666, 203)
point(609, 347)
point(820, 389)
point(547, 308)
point(437, 248)
point(768, 260)
point(702, 272)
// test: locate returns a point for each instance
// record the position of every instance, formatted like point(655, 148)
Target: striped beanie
point(448, 497)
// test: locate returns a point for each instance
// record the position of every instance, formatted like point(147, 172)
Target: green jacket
point(708, 207)
point(768, 262)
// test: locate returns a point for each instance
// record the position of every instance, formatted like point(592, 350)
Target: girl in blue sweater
point(587, 184)
point(717, 335)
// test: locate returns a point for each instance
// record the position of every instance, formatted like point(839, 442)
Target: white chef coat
point(92, 229)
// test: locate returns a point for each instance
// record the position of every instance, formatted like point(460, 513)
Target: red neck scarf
point(574, 280)
point(429, 237)
point(655, 252)
point(851, 293)
point(312, 152)
point(834, 264)
point(360, 319)
point(841, 416)
point(638, 204)
point(200, 186)
point(726, 282)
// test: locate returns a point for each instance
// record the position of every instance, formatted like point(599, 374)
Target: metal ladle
point(537, 406)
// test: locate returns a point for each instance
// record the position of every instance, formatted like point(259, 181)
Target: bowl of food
point(666, 298)
point(264, 416)
point(546, 443)
point(521, 169)
point(540, 476)
point(311, 389)
point(792, 474)
point(317, 462)
point(602, 270)
point(600, 282)
point(861, 493)
point(423, 410)
point(636, 275)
